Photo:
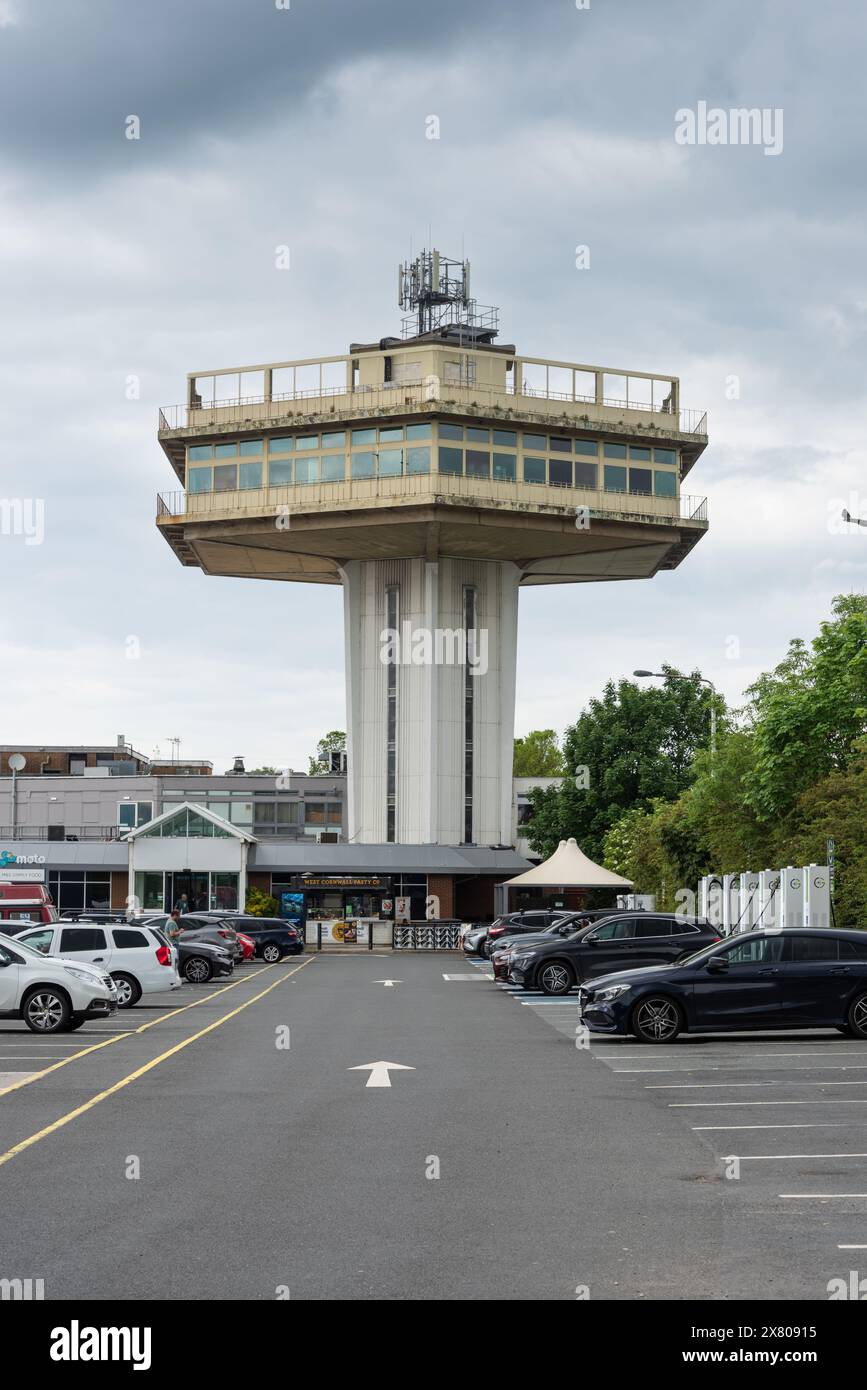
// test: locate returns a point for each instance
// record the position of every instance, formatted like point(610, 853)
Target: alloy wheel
point(657, 1019)
point(555, 979)
point(45, 1011)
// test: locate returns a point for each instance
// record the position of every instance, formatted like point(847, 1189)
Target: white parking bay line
point(728, 1104)
point(821, 1124)
point(764, 1158)
point(741, 1085)
point(820, 1196)
point(474, 975)
point(852, 1247)
point(733, 1066)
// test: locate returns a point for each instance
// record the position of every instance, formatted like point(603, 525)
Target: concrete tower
point(432, 475)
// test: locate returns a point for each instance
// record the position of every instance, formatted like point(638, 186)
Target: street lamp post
point(676, 676)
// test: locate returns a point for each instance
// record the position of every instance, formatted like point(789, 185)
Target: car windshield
point(703, 953)
point(14, 943)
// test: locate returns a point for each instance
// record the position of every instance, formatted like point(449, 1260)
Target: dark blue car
point(272, 937)
point(800, 978)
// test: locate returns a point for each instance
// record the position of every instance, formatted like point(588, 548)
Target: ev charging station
point(817, 896)
point(792, 897)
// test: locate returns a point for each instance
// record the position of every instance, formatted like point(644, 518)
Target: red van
point(25, 903)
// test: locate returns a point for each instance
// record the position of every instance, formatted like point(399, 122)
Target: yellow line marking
point(142, 1071)
point(34, 1076)
point(173, 1013)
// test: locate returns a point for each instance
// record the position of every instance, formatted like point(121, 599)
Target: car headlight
point(604, 996)
point(524, 958)
point(83, 975)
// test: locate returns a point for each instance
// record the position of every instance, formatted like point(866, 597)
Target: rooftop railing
point(433, 395)
point(322, 496)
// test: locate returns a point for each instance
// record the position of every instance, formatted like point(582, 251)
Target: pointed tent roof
point(568, 867)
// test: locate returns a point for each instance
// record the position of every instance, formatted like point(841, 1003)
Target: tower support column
point(430, 680)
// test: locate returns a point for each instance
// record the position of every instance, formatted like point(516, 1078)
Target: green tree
point(263, 771)
point(635, 744)
point(333, 742)
point(835, 808)
point(538, 754)
point(809, 712)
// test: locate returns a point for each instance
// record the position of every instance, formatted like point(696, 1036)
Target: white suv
point(137, 958)
point(51, 996)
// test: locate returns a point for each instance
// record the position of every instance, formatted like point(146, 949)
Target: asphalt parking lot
point(245, 1137)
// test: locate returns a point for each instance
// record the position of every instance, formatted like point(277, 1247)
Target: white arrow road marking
point(389, 984)
point(379, 1071)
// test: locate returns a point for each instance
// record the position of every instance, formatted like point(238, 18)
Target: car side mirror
point(590, 940)
point(717, 965)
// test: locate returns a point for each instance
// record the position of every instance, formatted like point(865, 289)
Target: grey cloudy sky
point(262, 127)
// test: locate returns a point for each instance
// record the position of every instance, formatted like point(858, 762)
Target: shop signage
point(13, 870)
point(372, 882)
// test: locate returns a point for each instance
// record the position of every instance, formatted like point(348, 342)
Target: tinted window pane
point(307, 441)
point(641, 481)
point(768, 948)
point(199, 480)
point(813, 948)
point(363, 465)
point(418, 460)
point(451, 460)
point(251, 475)
point(614, 451)
point(665, 455)
point(225, 451)
point(534, 470)
point(280, 446)
point(478, 436)
point(335, 440)
point(655, 927)
point(333, 468)
point(664, 484)
point(559, 446)
point(615, 478)
point(199, 451)
point(509, 437)
point(129, 940)
point(451, 431)
point(363, 437)
point(585, 474)
point(388, 436)
point(534, 441)
point(225, 477)
point(82, 939)
point(560, 472)
point(504, 467)
point(253, 448)
point(639, 453)
point(306, 470)
point(418, 431)
point(588, 447)
point(280, 472)
point(390, 462)
point(478, 463)
point(615, 931)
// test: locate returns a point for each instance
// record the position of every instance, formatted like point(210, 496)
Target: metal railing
point(431, 393)
point(105, 833)
point(443, 935)
point(437, 487)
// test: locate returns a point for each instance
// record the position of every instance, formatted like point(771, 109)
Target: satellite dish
point(17, 762)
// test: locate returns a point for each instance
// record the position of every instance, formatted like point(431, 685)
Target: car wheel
point(46, 1010)
point(844, 1029)
point(656, 1019)
point(197, 970)
point(271, 953)
point(857, 1020)
point(128, 991)
point(556, 978)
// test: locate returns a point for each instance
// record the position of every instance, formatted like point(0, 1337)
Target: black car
point(200, 961)
point(217, 931)
point(482, 939)
point(621, 941)
point(273, 937)
point(758, 979)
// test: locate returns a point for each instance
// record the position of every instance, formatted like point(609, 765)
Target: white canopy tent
point(568, 867)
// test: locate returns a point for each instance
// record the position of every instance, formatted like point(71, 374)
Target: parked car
point(509, 945)
point(50, 994)
point(24, 904)
point(758, 979)
point(273, 937)
point(619, 942)
point(248, 945)
point(216, 930)
point(137, 959)
point(201, 961)
point(483, 939)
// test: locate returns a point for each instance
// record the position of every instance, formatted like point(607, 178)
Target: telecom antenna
point(436, 290)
